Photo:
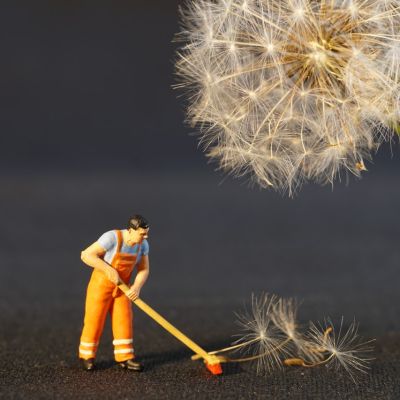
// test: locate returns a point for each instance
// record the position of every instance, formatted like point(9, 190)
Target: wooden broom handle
point(211, 359)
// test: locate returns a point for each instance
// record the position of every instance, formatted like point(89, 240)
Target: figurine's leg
point(122, 327)
point(98, 302)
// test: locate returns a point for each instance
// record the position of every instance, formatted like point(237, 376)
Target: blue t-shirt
point(109, 242)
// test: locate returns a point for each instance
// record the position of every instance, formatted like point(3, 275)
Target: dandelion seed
point(299, 12)
point(266, 344)
point(272, 338)
point(344, 347)
point(284, 317)
point(330, 73)
point(360, 166)
point(270, 47)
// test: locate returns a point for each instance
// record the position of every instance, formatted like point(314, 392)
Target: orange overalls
point(103, 296)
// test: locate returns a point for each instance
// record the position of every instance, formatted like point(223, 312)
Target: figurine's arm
point(143, 269)
point(92, 256)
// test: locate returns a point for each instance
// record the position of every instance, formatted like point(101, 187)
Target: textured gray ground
point(91, 131)
point(213, 243)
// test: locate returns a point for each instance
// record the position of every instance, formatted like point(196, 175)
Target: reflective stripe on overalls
point(103, 296)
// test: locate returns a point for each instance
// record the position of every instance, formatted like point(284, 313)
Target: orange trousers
point(100, 302)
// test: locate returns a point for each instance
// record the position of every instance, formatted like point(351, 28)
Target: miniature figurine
point(113, 257)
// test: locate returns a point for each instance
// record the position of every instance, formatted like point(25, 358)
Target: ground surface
point(91, 131)
point(213, 243)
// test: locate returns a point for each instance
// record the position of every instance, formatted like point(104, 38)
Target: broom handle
point(169, 327)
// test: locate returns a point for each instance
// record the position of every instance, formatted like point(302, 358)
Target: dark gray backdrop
point(92, 132)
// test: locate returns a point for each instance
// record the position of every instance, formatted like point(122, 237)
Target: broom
point(212, 361)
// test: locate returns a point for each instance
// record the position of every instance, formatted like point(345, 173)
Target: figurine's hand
point(112, 275)
point(133, 293)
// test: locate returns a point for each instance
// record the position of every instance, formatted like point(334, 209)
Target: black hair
point(137, 221)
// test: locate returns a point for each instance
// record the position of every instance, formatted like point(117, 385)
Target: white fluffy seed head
point(291, 90)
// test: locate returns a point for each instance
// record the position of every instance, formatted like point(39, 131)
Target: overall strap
point(119, 241)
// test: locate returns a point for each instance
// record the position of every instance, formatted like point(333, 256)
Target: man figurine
point(113, 258)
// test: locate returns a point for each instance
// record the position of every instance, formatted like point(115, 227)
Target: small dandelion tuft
point(284, 317)
point(272, 337)
point(344, 348)
point(262, 339)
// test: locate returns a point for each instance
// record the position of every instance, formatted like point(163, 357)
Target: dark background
point(92, 132)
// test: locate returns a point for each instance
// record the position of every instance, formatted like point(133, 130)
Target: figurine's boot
point(88, 365)
point(132, 365)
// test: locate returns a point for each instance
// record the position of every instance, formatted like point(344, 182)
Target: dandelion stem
point(236, 346)
point(318, 363)
point(257, 356)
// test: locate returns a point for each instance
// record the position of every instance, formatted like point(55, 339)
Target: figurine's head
point(138, 229)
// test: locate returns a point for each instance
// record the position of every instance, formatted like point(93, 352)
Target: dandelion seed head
point(313, 70)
